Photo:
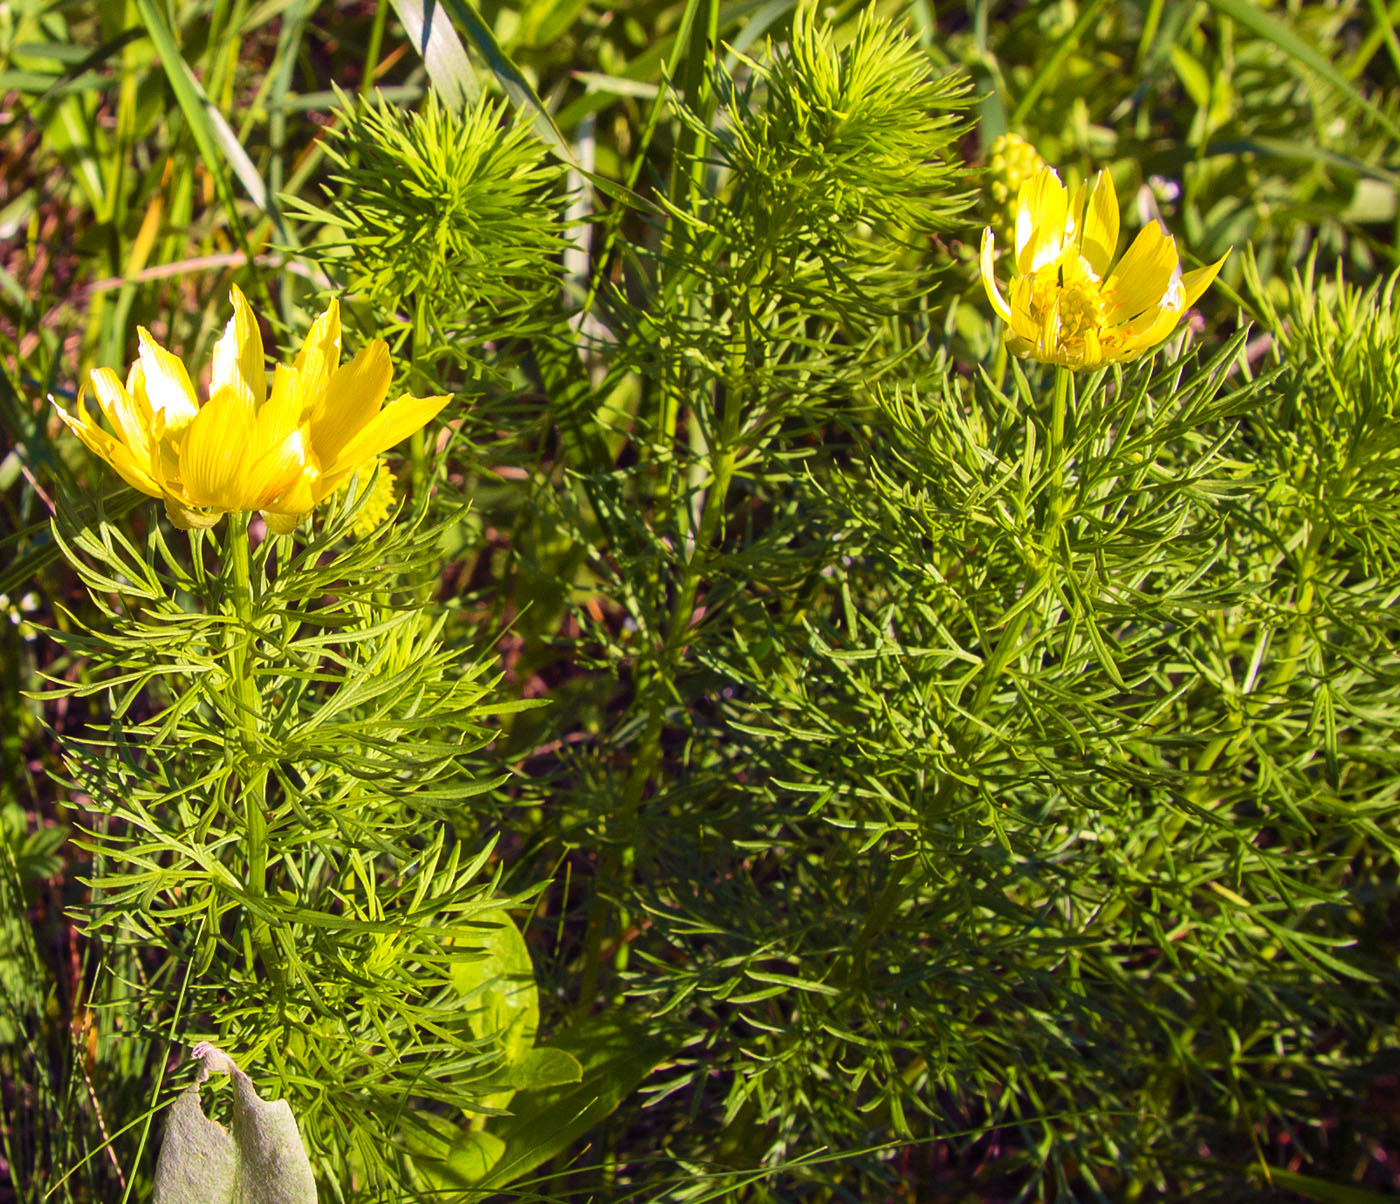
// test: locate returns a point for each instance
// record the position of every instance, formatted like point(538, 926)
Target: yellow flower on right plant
point(1063, 305)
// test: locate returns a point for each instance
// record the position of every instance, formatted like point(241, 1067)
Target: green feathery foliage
point(960, 778)
point(280, 799)
point(447, 223)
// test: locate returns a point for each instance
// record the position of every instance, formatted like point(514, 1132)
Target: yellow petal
point(280, 415)
point(214, 451)
point(136, 390)
point(1100, 234)
point(186, 518)
point(165, 455)
point(281, 445)
point(1143, 276)
point(282, 524)
point(136, 386)
point(1041, 218)
point(1092, 355)
point(1074, 214)
point(108, 448)
point(1018, 346)
point(1153, 328)
point(286, 388)
point(1047, 338)
point(297, 499)
point(351, 401)
point(319, 356)
point(399, 419)
point(1075, 269)
point(1194, 283)
point(274, 470)
point(989, 281)
point(1023, 321)
point(238, 355)
point(122, 412)
point(167, 383)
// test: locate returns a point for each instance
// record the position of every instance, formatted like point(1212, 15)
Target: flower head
point(1064, 306)
point(373, 487)
point(1011, 161)
point(247, 448)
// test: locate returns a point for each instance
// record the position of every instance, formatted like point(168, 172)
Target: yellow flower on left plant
point(281, 451)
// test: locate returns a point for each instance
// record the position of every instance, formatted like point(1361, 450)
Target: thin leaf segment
point(281, 452)
point(1064, 305)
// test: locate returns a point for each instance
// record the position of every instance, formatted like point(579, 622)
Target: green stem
point(618, 859)
point(1051, 521)
point(251, 803)
point(376, 43)
point(247, 703)
point(682, 612)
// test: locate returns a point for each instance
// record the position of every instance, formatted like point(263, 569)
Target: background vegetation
point(912, 801)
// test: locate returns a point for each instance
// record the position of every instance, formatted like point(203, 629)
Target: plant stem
point(616, 862)
point(1051, 521)
point(618, 859)
point(247, 704)
point(251, 802)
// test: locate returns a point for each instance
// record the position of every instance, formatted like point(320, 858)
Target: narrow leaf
point(430, 29)
point(196, 108)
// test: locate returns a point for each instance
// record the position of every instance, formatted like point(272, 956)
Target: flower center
point(1082, 330)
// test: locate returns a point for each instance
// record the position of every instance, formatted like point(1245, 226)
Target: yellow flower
point(1063, 305)
point(245, 449)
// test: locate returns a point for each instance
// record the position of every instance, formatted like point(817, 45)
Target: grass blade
point(1252, 17)
point(509, 76)
point(215, 141)
point(430, 29)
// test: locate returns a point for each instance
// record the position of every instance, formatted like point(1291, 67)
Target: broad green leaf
point(198, 1163)
point(500, 995)
point(1194, 77)
point(545, 21)
point(1373, 201)
point(71, 134)
point(272, 1163)
point(498, 987)
point(542, 1067)
point(616, 1055)
point(473, 1156)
